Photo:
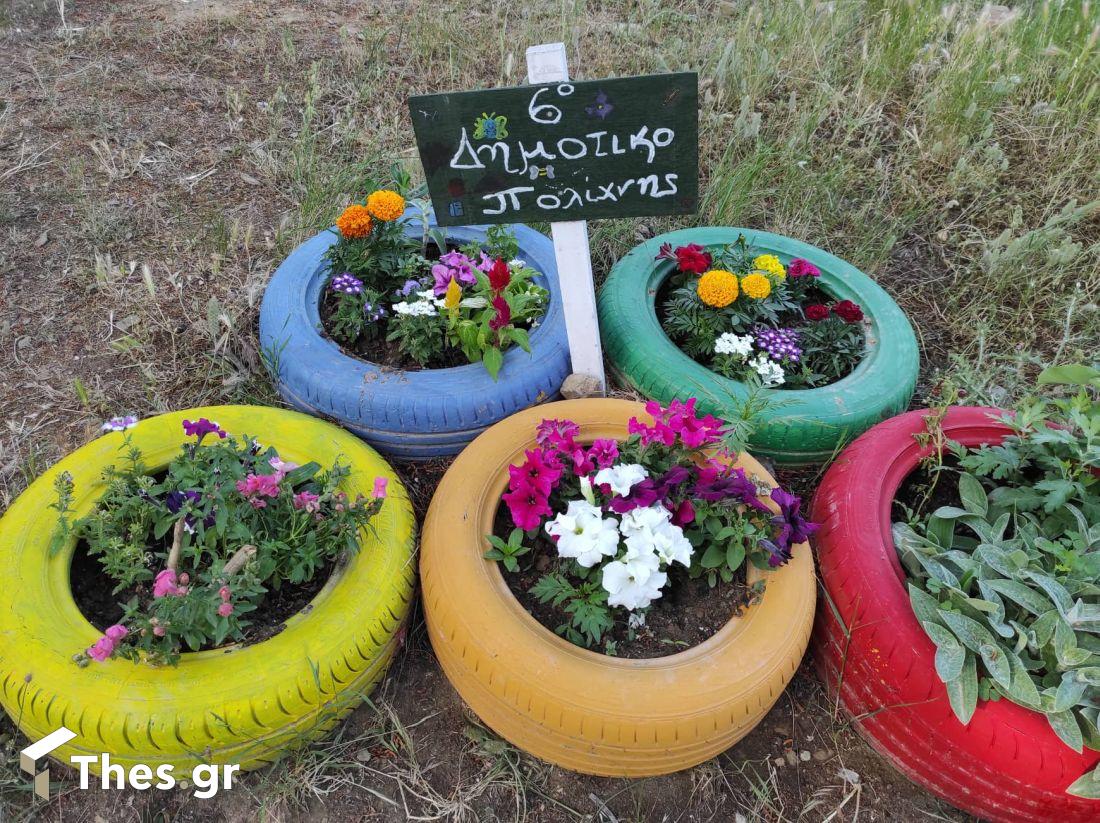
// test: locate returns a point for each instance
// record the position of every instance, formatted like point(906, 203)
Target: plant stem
point(177, 544)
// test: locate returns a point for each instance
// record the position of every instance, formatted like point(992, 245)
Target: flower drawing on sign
point(491, 127)
point(601, 107)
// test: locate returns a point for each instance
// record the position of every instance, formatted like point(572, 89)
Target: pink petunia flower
point(527, 506)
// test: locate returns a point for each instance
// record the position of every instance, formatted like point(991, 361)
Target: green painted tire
point(803, 425)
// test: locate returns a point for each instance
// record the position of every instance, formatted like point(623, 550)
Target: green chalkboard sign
point(625, 147)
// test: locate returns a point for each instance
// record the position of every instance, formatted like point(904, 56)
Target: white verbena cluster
point(634, 579)
point(417, 308)
point(741, 346)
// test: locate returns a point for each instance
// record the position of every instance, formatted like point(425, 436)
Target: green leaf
point(973, 495)
point(925, 606)
point(713, 557)
point(1022, 594)
point(1069, 693)
point(1087, 785)
point(1023, 690)
point(520, 338)
point(1071, 374)
point(950, 656)
point(972, 633)
point(942, 530)
point(996, 663)
point(493, 358)
point(735, 556)
point(1065, 726)
point(963, 691)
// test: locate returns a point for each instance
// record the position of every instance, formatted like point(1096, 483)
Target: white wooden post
point(547, 64)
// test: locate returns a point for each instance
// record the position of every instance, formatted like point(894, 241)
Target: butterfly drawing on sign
point(491, 127)
point(601, 107)
point(546, 171)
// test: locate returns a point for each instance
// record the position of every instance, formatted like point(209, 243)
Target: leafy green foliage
point(1007, 584)
point(586, 605)
point(507, 551)
point(195, 511)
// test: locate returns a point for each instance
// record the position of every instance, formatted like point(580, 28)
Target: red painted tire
point(1006, 764)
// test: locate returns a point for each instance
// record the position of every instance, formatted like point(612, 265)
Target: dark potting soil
point(92, 592)
point(814, 294)
point(940, 487)
point(687, 613)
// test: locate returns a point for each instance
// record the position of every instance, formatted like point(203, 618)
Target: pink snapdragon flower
point(106, 645)
point(255, 487)
point(282, 467)
point(308, 501)
point(166, 585)
point(379, 490)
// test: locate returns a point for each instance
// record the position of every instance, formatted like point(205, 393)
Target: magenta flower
point(527, 506)
point(604, 452)
point(225, 609)
point(540, 471)
point(379, 489)
point(102, 649)
point(802, 268)
point(202, 427)
point(684, 514)
point(116, 632)
point(452, 266)
point(557, 434)
point(694, 432)
point(259, 485)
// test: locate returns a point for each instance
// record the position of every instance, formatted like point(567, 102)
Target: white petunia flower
point(730, 343)
point(583, 533)
point(643, 520)
point(621, 478)
point(420, 308)
point(625, 588)
point(671, 546)
point(771, 373)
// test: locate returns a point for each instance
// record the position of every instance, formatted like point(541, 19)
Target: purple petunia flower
point(117, 424)
point(779, 344)
point(346, 283)
point(202, 427)
point(791, 526)
point(453, 265)
point(174, 500)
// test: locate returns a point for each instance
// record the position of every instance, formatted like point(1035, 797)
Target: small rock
point(577, 386)
point(363, 755)
point(779, 761)
point(821, 754)
point(792, 758)
point(804, 756)
point(42, 240)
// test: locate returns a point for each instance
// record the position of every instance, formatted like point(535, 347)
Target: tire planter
point(806, 425)
point(1006, 764)
point(577, 708)
point(415, 415)
point(241, 705)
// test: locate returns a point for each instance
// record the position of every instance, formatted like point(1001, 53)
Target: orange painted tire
point(573, 707)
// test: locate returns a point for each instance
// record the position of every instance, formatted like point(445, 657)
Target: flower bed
point(369, 324)
point(724, 314)
point(197, 529)
point(598, 533)
point(975, 676)
point(585, 709)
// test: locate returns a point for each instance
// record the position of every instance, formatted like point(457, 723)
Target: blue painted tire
point(414, 415)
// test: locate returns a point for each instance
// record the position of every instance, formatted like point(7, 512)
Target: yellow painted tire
point(573, 707)
point(236, 705)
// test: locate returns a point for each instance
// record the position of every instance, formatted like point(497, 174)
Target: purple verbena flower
point(346, 283)
point(778, 344)
point(117, 424)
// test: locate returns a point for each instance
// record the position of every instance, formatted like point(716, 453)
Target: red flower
point(800, 267)
point(504, 313)
point(848, 311)
point(693, 258)
point(817, 312)
point(499, 275)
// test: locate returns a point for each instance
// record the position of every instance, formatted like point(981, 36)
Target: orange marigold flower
point(354, 222)
point(717, 288)
point(756, 285)
point(385, 205)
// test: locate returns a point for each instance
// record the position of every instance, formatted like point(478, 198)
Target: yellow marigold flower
point(453, 295)
point(717, 288)
point(769, 263)
point(386, 205)
point(756, 285)
point(354, 222)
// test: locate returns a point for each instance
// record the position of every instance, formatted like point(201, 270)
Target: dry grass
point(158, 159)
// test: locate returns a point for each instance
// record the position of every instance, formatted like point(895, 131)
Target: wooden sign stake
point(547, 64)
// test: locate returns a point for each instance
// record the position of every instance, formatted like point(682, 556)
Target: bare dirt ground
point(160, 158)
